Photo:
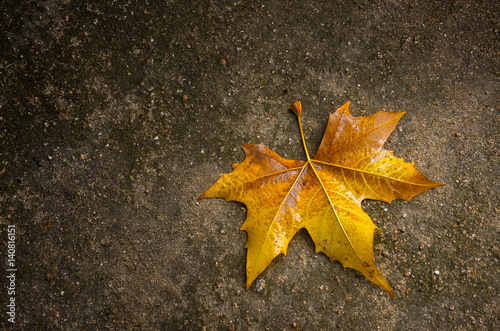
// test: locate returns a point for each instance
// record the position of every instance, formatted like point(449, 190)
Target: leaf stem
point(297, 109)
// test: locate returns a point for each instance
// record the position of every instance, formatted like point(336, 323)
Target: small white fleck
point(436, 272)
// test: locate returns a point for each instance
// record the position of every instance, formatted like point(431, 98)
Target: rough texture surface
point(116, 116)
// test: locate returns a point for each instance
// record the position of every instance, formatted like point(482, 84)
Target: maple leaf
point(322, 194)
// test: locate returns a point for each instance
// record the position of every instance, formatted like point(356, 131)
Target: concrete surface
point(116, 115)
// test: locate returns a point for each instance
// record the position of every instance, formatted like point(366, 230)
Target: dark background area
point(116, 115)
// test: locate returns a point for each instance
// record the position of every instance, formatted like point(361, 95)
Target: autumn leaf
point(322, 194)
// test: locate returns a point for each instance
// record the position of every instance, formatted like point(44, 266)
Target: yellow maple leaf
point(322, 194)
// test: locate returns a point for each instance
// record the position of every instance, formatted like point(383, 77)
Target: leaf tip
point(399, 115)
point(344, 108)
point(296, 108)
point(249, 282)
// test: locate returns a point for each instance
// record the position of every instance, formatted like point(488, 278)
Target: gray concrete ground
point(116, 115)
